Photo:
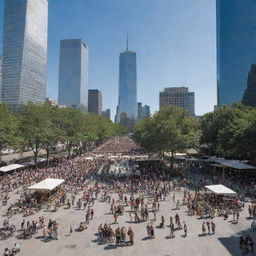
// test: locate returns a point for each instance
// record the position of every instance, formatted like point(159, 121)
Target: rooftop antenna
point(127, 42)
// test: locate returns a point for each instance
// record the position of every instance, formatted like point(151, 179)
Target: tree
point(8, 127)
point(34, 127)
point(169, 130)
point(71, 123)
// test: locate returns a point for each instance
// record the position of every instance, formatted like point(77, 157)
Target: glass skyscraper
point(127, 101)
point(24, 51)
point(236, 47)
point(73, 74)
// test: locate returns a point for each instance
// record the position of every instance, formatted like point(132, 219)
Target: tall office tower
point(1, 76)
point(73, 74)
point(236, 47)
point(139, 109)
point(24, 51)
point(95, 101)
point(107, 113)
point(143, 111)
point(127, 101)
point(179, 97)
point(249, 97)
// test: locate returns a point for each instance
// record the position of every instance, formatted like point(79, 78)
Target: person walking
point(208, 227)
point(203, 228)
point(152, 232)
point(148, 231)
point(130, 233)
point(213, 227)
point(185, 228)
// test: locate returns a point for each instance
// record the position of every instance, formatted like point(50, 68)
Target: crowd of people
point(138, 198)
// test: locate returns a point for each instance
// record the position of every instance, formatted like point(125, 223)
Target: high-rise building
point(236, 47)
point(1, 75)
point(249, 97)
point(127, 101)
point(107, 113)
point(24, 51)
point(143, 111)
point(95, 101)
point(179, 97)
point(73, 74)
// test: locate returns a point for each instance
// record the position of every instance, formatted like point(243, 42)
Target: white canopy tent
point(89, 158)
point(220, 190)
point(11, 167)
point(47, 184)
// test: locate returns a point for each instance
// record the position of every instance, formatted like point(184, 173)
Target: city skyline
point(173, 54)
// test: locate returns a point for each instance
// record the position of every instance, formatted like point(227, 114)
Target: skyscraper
point(1, 76)
point(127, 101)
point(236, 47)
point(179, 97)
point(95, 101)
point(73, 74)
point(24, 51)
point(107, 113)
point(143, 111)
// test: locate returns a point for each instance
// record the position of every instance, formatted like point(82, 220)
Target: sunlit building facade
point(127, 101)
point(73, 74)
point(236, 47)
point(24, 51)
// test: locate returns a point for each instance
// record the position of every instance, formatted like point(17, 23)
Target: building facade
point(24, 51)
point(73, 74)
point(179, 97)
point(1, 76)
point(127, 100)
point(143, 111)
point(107, 113)
point(95, 101)
point(236, 47)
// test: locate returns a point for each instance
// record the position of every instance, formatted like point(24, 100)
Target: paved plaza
point(224, 242)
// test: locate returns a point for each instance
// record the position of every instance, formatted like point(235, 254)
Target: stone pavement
point(224, 242)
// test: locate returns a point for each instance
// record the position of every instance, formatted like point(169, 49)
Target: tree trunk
point(35, 158)
point(47, 154)
point(172, 160)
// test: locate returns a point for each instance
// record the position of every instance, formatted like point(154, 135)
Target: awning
point(47, 184)
point(220, 190)
point(11, 167)
point(235, 164)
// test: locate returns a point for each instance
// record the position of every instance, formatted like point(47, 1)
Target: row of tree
point(169, 130)
point(231, 131)
point(35, 127)
point(228, 131)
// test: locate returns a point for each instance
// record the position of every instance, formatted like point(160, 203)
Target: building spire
point(127, 42)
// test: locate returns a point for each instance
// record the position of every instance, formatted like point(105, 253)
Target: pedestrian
point(208, 227)
point(152, 232)
point(213, 227)
point(130, 233)
point(185, 229)
point(118, 236)
point(148, 230)
point(115, 217)
point(70, 229)
point(173, 197)
point(203, 228)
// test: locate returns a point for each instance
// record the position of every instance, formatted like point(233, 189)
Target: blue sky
point(175, 42)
